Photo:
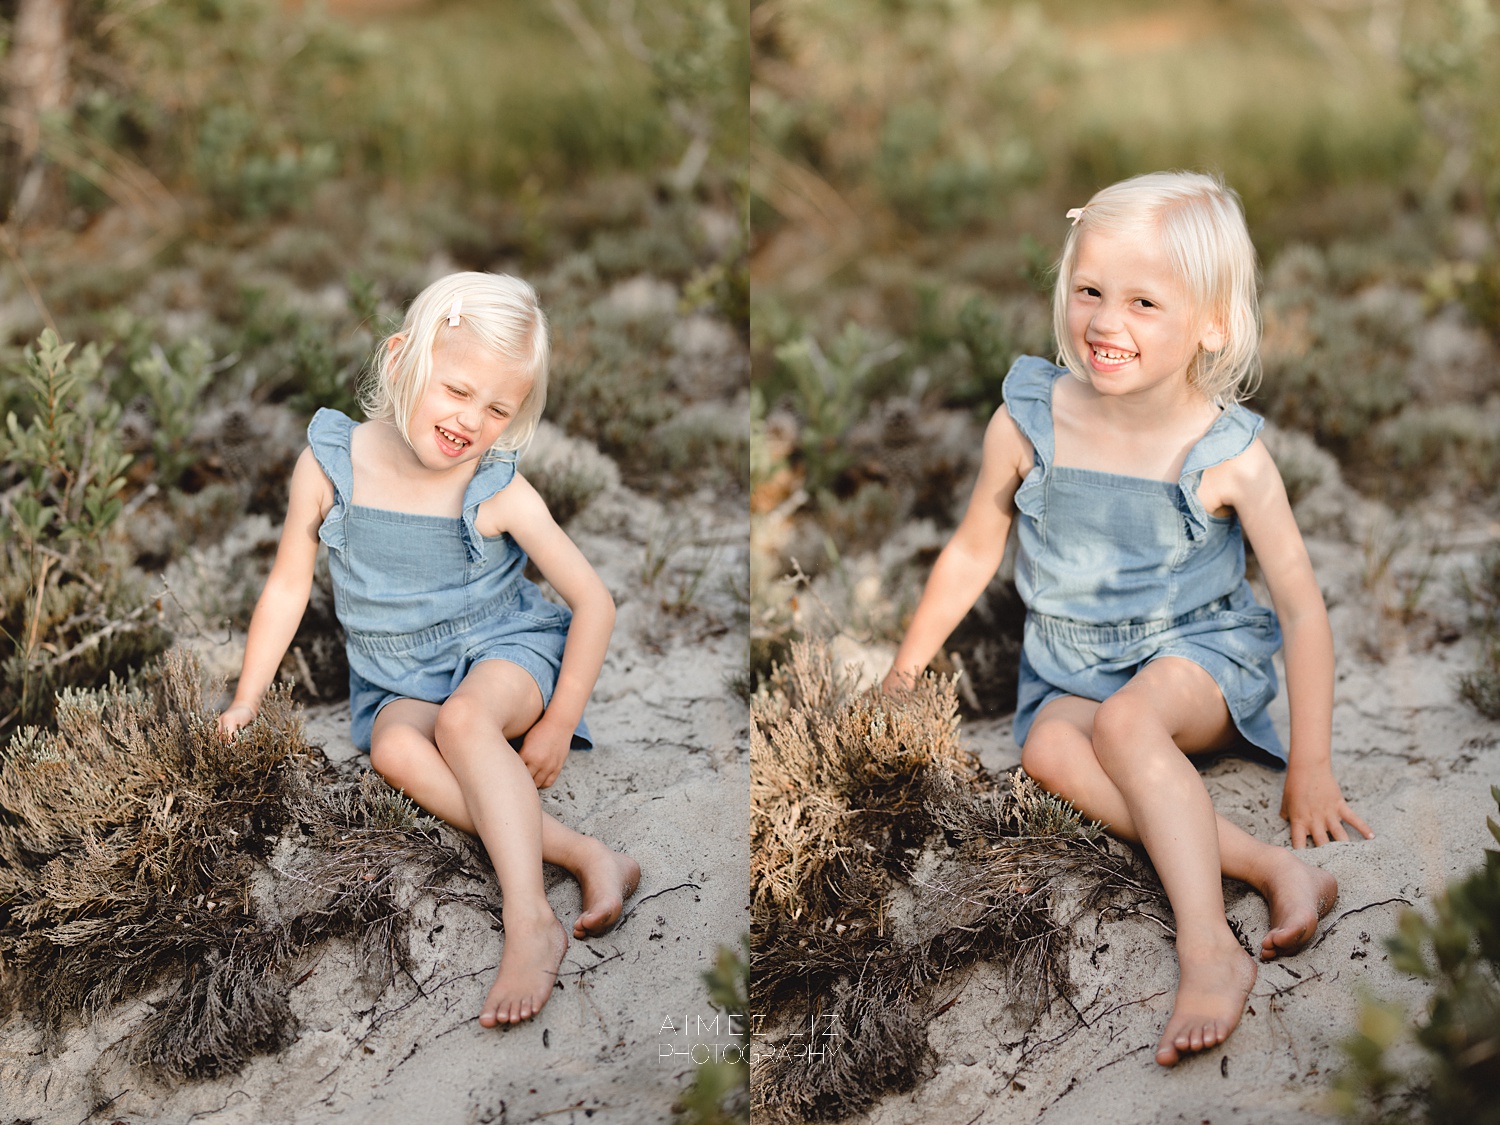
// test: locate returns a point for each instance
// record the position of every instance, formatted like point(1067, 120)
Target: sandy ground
point(1412, 758)
point(617, 1040)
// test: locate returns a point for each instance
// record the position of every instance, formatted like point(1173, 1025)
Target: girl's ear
point(1214, 337)
point(394, 342)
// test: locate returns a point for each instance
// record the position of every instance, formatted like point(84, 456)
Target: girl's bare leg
point(1122, 763)
point(404, 752)
point(1060, 756)
point(504, 808)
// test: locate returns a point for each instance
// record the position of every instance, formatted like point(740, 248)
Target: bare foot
point(528, 969)
point(607, 879)
point(1211, 993)
point(1299, 895)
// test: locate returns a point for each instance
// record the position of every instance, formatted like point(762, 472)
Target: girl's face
point(1130, 320)
point(472, 396)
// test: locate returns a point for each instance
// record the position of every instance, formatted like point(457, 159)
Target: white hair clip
point(1075, 214)
point(458, 304)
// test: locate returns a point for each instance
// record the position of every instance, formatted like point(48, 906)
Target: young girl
point(1131, 474)
point(454, 656)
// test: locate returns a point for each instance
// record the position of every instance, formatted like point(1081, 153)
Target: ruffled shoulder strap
point(494, 473)
point(1028, 398)
point(1231, 434)
point(328, 435)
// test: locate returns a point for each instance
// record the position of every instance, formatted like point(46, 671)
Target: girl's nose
point(1106, 318)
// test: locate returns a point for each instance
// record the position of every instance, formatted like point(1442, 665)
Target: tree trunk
point(36, 83)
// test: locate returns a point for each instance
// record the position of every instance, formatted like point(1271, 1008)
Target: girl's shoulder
point(328, 436)
point(1232, 434)
point(515, 507)
point(1030, 379)
point(1028, 400)
point(492, 477)
point(330, 426)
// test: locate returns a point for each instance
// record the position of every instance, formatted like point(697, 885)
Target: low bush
point(847, 789)
point(71, 608)
point(136, 863)
point(1457, 951)
point(1481, 685)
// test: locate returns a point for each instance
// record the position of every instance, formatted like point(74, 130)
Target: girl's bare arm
point(1311, 799)
point(520, 511)
point(971, 557)
point(284, 599)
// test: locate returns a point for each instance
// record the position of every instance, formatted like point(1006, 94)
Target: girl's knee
point(1048, 755)
point(1126, 723)
point(393, 759)
point(463, 719)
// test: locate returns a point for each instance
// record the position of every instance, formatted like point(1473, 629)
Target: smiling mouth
point(1110, 355)
point(452, 440)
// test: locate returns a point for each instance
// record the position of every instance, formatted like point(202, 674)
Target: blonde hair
point(1202, 228)
point(496, 311)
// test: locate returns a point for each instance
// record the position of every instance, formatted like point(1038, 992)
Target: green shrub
point(71, 609)
point(831, 391)
point(304, 360)
point(720, 1092)
point(224, 97)
point(1448, 442)
point(175, 391)
point(1481, 685)
point(1350, 375)
point(1458, 952)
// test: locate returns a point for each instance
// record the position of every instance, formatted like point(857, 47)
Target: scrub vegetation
point(1457, 1039)
point(883, 860)
point(911, 167)
point(904, 230)
point(208, 223)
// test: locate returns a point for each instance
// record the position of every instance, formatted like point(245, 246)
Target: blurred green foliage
point(229, 97)
point(70, 607)
point(914, 161)
point(1457, 952)
point(1481, 685)
point(833, 391)
point(250, 105)
point(1449, 60)
point(720, 1091)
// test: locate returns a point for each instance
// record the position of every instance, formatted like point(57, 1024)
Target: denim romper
point(423, 599)
point(1117, 571)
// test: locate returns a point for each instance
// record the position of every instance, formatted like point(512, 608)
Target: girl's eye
point(1147, 303)
point(1088, 291)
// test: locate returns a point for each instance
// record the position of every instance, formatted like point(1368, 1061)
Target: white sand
point(1413, 759)
point(668, 784)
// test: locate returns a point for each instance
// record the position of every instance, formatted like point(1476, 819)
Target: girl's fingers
point(1337, 832)
point(1353, 818)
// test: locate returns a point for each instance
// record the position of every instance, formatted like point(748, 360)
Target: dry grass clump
point(142, 856)
point(836, 785)
point(882, 863)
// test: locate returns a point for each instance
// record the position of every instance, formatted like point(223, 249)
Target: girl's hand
point(234, 717)
point(1315, 806)
point(544, 750)
point(896, 682)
